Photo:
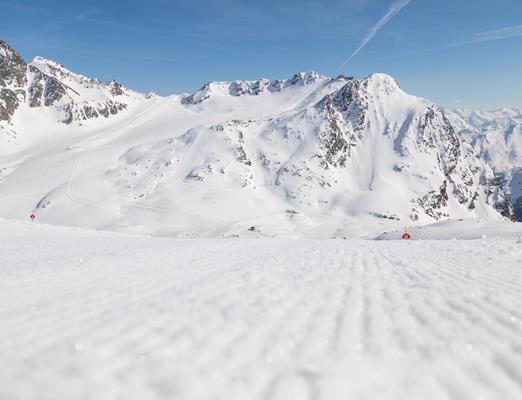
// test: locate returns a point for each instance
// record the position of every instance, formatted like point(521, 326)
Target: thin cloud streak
point(504, 33)
point(392, 12)
point(488, 36)
point(481, 37)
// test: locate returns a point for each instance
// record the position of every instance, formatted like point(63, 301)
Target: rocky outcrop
point(251, 88)
point(44, 90)
point(12, 81)
point(44, 83)
point(433, 203)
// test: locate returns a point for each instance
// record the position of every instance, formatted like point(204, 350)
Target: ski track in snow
point(119, 317)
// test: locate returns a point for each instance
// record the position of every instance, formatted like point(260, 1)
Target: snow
point(217, 167)
point(153, 271)
point(82, 88)
point(94, 315)
point(309, 156)
point(459, 229)
point(497, 136)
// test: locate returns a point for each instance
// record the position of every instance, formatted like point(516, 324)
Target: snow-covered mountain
point(48, 86)
point(497, 136)
point(306, 155)
point(251, 88)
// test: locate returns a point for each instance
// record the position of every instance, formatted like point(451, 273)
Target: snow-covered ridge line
point(50, 87)
point(47, 83)
point(305, 156)
point(239, 88)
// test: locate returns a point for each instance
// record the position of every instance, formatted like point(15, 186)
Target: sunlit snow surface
point(307, 160)
point(90, 315)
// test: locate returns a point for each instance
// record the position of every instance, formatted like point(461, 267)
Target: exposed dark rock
point(498, 196)
point(115, 88)
point(44, 89)
point(12, 81)
point(472, 203)
point(12, 66)
point(433, 203)
point(332, 140)
point(21, 83)
point(436, 132)
point(241, 156)
point(8, 104)
point(385, 216)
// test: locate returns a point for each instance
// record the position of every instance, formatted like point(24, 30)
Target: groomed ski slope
point(90, 315)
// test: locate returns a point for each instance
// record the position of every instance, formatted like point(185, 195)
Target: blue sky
point(458, 53)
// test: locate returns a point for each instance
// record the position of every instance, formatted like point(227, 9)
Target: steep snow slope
point(91, 316)
point(309, 155)
point(497, 136)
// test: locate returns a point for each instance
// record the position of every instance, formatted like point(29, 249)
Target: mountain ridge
point(304, 150)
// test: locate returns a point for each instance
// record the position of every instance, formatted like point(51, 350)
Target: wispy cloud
point(504, 33)
point(487, 36)
point(63, 21)
point(392, 12)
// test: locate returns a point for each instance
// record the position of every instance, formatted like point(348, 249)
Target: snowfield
point(93, 315)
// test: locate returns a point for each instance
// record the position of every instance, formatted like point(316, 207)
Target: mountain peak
point(6, 51)
point(116, 88)
point(42, 60)
point(59, 71)
point(12, 79)
point(306, 78)
point(381, 81)
point(46, 64)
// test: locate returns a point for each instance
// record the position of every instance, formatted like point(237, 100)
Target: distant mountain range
point(309, 155)
point(497, 136)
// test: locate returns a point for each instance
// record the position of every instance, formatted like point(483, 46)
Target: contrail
point(504, 33)
point(392, 12)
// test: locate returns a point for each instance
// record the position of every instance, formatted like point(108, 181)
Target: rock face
point(12, 81)
point(76, 97)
